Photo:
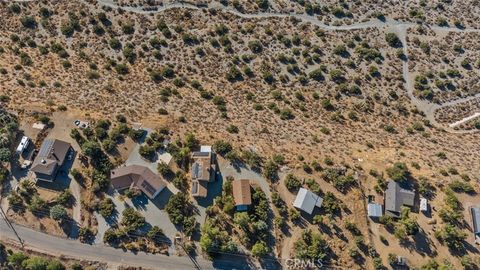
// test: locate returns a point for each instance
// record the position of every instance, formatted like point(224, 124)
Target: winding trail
point(401, 28)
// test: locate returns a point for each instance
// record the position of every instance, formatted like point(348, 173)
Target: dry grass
point(314, 133)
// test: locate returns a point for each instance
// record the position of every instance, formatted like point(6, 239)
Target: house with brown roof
point(203, 171)
point(241, 194)
point(139, 177)
point(50, 158)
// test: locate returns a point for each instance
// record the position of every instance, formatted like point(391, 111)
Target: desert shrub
point(292, 182)
point(398, 172)
point(222, 147)
point(58, 212)
point(393, 40)
point(451, 236)
point(311, 245)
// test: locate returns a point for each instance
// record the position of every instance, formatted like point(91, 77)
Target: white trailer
point(23, 145)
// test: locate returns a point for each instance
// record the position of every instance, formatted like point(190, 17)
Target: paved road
point(71, 248)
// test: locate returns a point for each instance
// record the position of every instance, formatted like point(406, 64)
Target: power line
point(9, 224)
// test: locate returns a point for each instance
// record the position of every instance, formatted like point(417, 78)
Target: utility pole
point(4, 216)
point(182, 245)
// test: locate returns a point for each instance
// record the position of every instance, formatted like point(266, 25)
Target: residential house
point(476, 223)
point(140, 177)
point(307, 200)
point(241, 194)
point(396, 197)
point(203, 171)
point(50, 158)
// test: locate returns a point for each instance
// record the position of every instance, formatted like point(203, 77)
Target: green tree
point(55, 265)
point(65, 197)
point(91, 149)
point(131, 219)
point(260, 249)
point(292, 182)
point(106, 207)
point(398, 172)
point(5, 155)
point(16, 259)
point(393, 40)
point(242, 219)
point(222, 147)
point(37, 204)
point(155, 233)
point(58, 212)
point(35, 263)
point(451, 236)
point(311, 245)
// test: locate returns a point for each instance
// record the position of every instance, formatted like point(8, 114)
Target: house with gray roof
point(307, 201)
point(50, 158)
point(396, 197)
point(203, 171)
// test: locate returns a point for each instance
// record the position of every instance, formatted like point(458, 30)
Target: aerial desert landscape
point(240, 134)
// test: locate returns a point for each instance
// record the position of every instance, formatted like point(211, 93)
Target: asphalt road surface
point(99, 252)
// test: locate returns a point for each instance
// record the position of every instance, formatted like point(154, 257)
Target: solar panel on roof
point(46, 147)
point(196, 170)
point(201, 154)
point(194, 187)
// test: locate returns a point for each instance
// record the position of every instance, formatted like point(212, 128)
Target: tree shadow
point(162, 198)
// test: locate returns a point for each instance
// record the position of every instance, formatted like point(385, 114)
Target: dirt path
point(400, 28)
point(427, 107)
point(466, 119)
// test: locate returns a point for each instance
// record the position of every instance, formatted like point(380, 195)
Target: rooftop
point(307, 200)
point(374, 210)
point(241, 192)
point(396, 197)
point(137, 176)
point(51, 155)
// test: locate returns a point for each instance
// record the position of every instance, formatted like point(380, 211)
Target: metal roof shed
point(307, 200)
point(206, 149)
point(374, 210)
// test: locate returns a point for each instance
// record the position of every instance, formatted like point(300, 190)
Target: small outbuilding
point(242, 194)
point(423, 205)
point(307, 200)
point(374, 210)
